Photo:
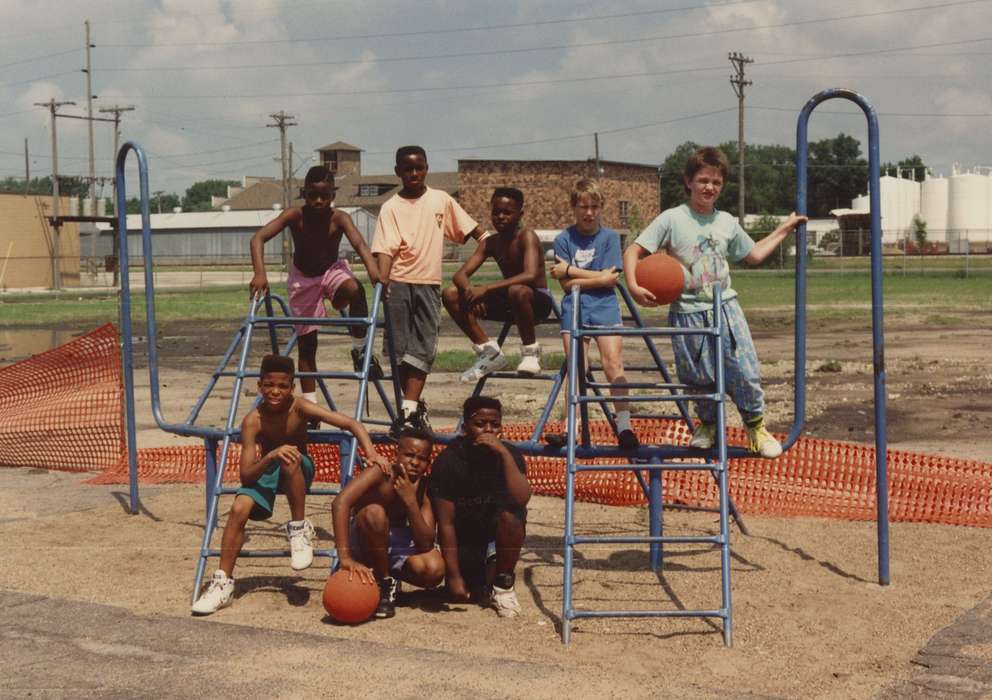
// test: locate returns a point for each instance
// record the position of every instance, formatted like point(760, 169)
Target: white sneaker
point(301, 545)
point(489, 359)
point(530, 360)
point(505, 601)
point(705, 436)
point(219, 594)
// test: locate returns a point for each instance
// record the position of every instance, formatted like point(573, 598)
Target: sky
point(515, 79)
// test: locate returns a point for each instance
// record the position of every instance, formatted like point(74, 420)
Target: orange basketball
point(351, 601)
point(662, 275)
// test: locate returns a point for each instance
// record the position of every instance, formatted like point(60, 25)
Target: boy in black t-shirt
point(480, 492)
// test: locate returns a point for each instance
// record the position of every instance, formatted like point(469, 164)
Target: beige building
point(26, 243)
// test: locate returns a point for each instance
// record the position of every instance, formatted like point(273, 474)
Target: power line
point(38, 58)
point(459, 30)
point(553, 47)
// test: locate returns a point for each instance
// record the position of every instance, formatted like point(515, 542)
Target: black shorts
point(498, 307)
point(477, 541)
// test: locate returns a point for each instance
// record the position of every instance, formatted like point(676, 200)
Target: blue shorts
point(603, 311)
point(264, 490)
point(399, 549)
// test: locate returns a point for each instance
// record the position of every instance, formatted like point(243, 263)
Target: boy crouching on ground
point(385, 522)
point(480, 493)
point(279, 425)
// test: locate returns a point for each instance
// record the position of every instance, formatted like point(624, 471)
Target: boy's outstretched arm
point(341, 507)
point(641, 295)
point(763, 248)
point(358, 243)
point(448, 539)
point(385, 269)
point(312, 411)
point(259, 283)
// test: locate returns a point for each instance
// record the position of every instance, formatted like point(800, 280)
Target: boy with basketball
point(521, 296)
point(384, 525)
point(480, 493)
point(588, 257)
point(703, 239)
point(316, 273)
point(279, 427)
point(409, 242)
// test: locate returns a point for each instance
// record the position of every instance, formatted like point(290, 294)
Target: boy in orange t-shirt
point(409, 243)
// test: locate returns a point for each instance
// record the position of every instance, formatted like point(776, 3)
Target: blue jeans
point(694, 361)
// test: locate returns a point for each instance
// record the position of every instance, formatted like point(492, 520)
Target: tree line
point(837, 173)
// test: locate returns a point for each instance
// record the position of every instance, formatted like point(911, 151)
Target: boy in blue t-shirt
point(703, 239)
point(588, 256)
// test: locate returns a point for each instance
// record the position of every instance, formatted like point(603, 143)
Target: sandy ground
point(809, 617)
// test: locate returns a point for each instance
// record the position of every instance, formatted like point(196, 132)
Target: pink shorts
point(307, 294)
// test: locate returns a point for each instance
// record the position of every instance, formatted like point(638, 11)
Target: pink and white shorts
point(307, 294)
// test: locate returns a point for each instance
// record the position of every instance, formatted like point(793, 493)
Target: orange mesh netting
point(61, 409)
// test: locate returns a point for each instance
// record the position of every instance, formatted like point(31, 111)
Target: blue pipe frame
point(878, 334)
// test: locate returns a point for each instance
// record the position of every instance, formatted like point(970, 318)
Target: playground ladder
point(651, 459)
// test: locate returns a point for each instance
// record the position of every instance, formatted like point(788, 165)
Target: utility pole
point(27, 169)
point(739, 83)
point(53, 107)
point(282, 122)
point(116, 110)
point(595, 137)
point(89, 122)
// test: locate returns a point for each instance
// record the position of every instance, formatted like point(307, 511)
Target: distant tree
point(761, 227)
point(158, 204)
point(914, 166)
point(837, 174)
point(68, 186)
point(920, 233)
point(199, 193)
point(672, 192)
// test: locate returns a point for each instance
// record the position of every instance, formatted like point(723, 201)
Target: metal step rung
point(648, 613)
point(645, 398)
point(646, 539)
point(638, 385)
point(663, 466)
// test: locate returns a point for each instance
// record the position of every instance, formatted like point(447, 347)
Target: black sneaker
point(418, 419)
point(358, 357)
point(387, 598)
point(556, 440)
point(627, 440)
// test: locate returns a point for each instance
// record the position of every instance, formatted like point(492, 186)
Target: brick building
point(631, 190)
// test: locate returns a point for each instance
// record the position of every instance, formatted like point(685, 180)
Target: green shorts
point(264, 490)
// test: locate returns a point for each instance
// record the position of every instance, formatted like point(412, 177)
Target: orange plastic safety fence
point(61, 409)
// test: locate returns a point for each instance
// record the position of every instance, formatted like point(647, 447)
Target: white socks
point(490, 344)
point(623, 421)
point(310, 396)
point(409, 407)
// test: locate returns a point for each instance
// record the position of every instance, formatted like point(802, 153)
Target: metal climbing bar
point(650, 459)
point(877, 305)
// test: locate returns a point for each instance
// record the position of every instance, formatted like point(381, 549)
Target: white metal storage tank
point(933, 208)
point(968, 209)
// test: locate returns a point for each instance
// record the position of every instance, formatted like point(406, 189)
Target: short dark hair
point(319, 173)
point(416, 434)
point(509, 193)
point(705, 157)
point(404, 151)
point(278, 363)
point(474, 404)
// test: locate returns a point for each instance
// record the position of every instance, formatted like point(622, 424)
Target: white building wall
point(933, 208)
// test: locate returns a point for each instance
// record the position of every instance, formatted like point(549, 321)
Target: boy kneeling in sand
point(384, 525)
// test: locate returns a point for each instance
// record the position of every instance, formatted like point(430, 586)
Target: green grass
point(831, 295)
point(461, 360)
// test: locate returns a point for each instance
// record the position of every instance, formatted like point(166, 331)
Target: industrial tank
point(933, 208)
